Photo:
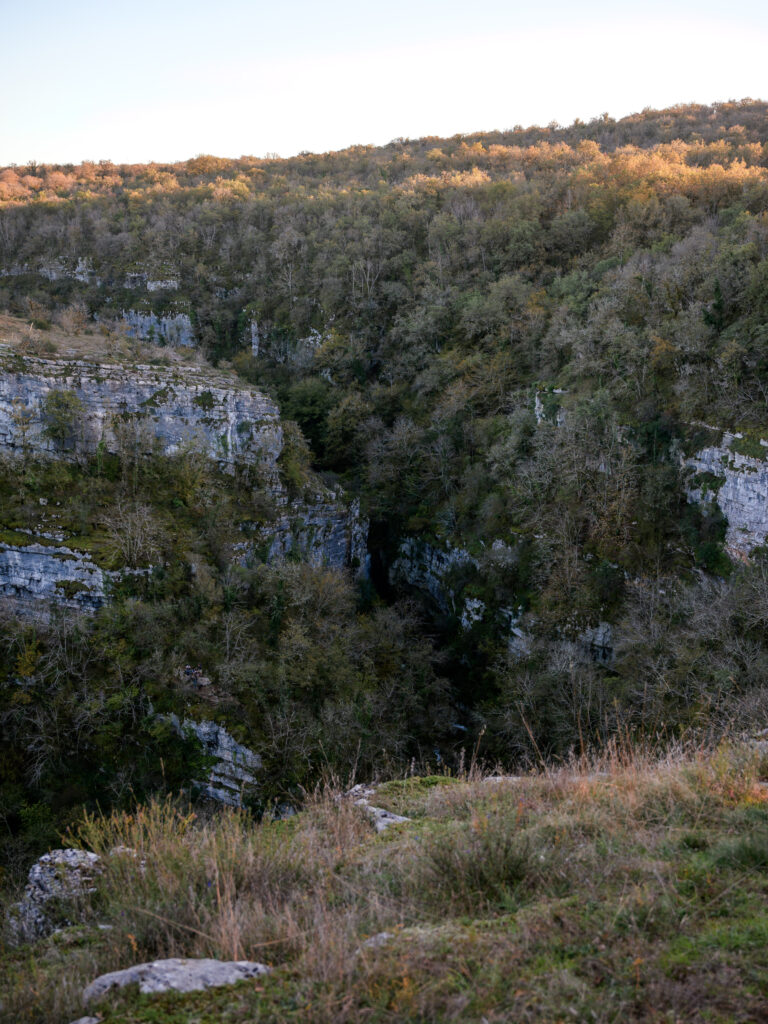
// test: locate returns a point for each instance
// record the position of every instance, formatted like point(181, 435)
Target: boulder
point(56, 879)
point(176, 975)
point(376, 941)
point(382, 818)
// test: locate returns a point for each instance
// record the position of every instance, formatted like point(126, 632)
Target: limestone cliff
point(41, 573)
point(320, 532)
point(173, 406)
point(170, 329)
point(232, 775)
point(427, 568)
point(734, 474)
point(162, 409)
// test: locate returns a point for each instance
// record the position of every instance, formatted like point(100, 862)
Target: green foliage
point(412, 303)
point(205, 400)
point(62, 413)
point(295, 458)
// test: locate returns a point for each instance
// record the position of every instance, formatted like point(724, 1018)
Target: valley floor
point(629, 889)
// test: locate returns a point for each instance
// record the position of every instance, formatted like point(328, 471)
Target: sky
point(167, 80)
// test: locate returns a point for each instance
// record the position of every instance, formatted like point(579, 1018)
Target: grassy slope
point(630, 890)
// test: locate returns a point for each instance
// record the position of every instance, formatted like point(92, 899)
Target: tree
point(62, 415)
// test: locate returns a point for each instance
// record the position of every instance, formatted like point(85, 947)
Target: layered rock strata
point(169, 408)
point(39, 575)
point(166, 410)
point(232, 776)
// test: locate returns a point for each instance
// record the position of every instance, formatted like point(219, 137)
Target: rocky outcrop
point(143, 409)
point(80, 268)
point(165, 284)
point(42, 573)
point(232, 776)
point(54, 884)
point(174, 329)
point(738, 483)
point(428, 568)
point(175, 975)
point(321, 533)
point(598, 642)
point(37, 573)
point(254, 336)
point(168, 408)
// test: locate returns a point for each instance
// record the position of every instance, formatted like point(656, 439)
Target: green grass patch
point(750, 445)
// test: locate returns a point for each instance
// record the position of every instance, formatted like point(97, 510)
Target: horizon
point(270, 156)
point(168, 81)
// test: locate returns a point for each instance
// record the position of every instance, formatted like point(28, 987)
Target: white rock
point(61, 876)
point(382, 819)
point(473, 612)
point(233, 774)
point(176, 975)
point(376, 941)
point(742, 496)
point(360, 792)
point(230, 422)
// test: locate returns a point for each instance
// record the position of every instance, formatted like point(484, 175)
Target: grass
point(750, 445)
point(625, 889)
point(92, 345)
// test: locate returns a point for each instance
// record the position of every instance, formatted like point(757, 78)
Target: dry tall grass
point(306, 892)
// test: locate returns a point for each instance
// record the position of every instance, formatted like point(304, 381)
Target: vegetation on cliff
point(503, 344)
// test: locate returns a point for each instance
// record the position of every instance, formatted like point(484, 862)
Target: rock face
point(166, 407)
point(427, 568)
point(739, 485)
point(149, 408)
point(599, 643)
point(321, 533)
point(174, 329)
point(44, 574)
point(58, 878)
point(175, 975)
point(232, 776)
point(39, 574)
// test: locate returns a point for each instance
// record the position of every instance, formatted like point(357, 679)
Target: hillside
point(628, 889)
point(356, 460)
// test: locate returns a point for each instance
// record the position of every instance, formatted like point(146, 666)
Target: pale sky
point(167, 80)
